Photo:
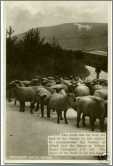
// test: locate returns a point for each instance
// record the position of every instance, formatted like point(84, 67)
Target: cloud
point(22, 19)
point(24, 15)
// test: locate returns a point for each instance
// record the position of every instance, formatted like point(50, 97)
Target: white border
point(2, 96)
point(109, 129)
point(3, 93)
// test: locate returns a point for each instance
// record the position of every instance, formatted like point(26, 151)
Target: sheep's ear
point(68, 94)
point(16, 84)
point(43, 96)
point(75, 99)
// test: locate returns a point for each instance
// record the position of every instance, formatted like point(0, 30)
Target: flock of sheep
point(87, 98)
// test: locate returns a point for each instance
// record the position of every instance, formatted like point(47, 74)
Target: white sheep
point(23, 94)
point(103, 93)
point(91, 106)
point(43, 95)
point(81, 90)
point(60, 101)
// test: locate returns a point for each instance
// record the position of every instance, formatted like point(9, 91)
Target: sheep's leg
point(23, 106)
point(9, 97)
point(92, 122)
point(37, 106)
point(48, 112)
point(65, 118)
point(102, 124)
point(20, 106)
point(78, 117)
point(83, 120)
point(58, 116)
point(42, 110)
point(61, 118)
point(31, 107)
point(14, 101)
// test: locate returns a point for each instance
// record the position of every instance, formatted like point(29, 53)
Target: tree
point(9, 32)
point(10, 53)
point(55, 44)
point(32, 39)
point(32, 46)
point(10, 44)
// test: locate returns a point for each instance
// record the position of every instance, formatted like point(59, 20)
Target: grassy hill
point(76, 36)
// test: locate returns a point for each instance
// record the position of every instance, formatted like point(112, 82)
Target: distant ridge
point(76, 36)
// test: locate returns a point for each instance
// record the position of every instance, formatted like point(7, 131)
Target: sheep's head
point(71, 98)
point(58, 90)
point(35, 81)
point(90, 84)
point(44, 81)
point(14, 84)
point(57, 81)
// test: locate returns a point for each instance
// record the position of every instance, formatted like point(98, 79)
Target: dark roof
point(96, 52)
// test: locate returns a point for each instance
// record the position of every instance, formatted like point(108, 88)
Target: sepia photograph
point(56, 82)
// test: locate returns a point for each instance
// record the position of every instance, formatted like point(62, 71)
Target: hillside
point(76, 35)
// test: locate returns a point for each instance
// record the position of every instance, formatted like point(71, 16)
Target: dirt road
point(27, 134)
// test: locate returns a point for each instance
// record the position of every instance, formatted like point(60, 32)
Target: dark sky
point(23, 15)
